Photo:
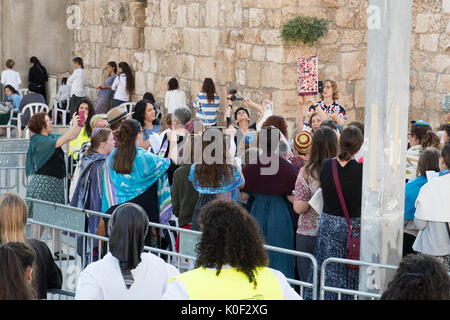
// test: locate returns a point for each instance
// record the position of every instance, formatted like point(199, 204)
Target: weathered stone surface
point(237, 43)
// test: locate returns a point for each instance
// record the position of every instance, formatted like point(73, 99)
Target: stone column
point(387, 102)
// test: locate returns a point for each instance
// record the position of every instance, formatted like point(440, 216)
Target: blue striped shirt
point(206, 111)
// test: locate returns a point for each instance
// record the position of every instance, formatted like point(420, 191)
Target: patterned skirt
point(331, 242)
point(45, 188)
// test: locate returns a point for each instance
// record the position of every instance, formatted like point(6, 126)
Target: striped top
point(206, 112)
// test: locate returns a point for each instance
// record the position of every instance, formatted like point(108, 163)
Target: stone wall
point(236, 42)
point(35, 28)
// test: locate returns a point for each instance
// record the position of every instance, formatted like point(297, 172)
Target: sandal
point(63, 256)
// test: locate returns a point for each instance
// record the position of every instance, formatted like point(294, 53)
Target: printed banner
point(308, 78)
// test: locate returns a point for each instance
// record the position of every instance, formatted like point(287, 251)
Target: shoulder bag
point(353, 243)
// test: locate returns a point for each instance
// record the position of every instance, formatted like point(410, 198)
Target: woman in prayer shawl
point(88, 191)
point(268, 183)
point(215, 176)
point(132, 174)
point(46, 164)
point(126, 272)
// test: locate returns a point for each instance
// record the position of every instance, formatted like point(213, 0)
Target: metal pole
point(386, 117)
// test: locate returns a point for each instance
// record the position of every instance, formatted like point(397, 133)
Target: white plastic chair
point(33, 108)
point(23, 92)
point(58, 107)
point(129, 106)
point(14, 116)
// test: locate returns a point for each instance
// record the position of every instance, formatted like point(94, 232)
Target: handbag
point(353, 243)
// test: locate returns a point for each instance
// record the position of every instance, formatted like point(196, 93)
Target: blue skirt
point(273, 215)
point(331, 242)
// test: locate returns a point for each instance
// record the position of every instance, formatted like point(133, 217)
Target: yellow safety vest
point(76, 144)
point(230, 284)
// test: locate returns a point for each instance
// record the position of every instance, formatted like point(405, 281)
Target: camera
point(320, 85)
point(233, 95)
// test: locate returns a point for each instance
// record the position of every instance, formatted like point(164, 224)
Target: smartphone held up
point(82, 119)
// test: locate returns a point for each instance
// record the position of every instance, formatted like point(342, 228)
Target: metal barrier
point(355, 293)
point(13, 154)
point(69, 224)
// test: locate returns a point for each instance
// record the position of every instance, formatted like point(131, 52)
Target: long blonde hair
point(13, 217)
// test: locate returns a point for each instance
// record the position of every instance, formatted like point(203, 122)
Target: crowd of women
point(176, 161)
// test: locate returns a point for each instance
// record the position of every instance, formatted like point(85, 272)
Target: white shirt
point(432, 212)
point(77, 82)
point(12, 78)
point(102, 280)
point(120, 87)
point(176, 290)
point(174, 99)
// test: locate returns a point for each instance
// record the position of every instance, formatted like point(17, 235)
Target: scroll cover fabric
point(307, 72)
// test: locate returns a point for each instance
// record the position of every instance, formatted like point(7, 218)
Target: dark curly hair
point(419, 277)
point(230, 235)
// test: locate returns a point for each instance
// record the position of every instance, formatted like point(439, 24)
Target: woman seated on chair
point(31, 97)
point(132, 174)
point(14, 97)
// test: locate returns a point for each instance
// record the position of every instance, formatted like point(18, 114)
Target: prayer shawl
point(88, 191)
point(231, 186)
point(307, 72)
point(146, 170)
point(40, 151)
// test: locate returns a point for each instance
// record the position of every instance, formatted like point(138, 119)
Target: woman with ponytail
point(131, 174)
point(332, 232)
point(420, 138)
point(123, 85)
point(16, 272)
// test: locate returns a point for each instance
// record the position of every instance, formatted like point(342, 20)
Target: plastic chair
point(58, 106)
point(32, 108)
point(129, 106)
point(23, 92)
point(14, 116)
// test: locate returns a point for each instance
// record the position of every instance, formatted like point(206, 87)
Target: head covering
point(302, 142)
point(116, 114)
point(420, 123)
point(96, 131)
point(127, 229)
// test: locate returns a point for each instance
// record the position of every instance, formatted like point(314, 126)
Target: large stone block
point(253, 74)
point(257, 18)
point(345, 17)
point(271, 74)
point(271, 37)
point(429, 42)
point(354, 65)
point(259, 53)
point(443, 83)
point(212, 13)
point(243, 50)
point(126, 37)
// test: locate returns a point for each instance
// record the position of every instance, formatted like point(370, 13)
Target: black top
point(56, 166)
point(47, 274)
point(350, 178)
point(38, 75)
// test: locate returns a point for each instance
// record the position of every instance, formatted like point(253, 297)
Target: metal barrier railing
point(69, 223)
point(340, 291)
